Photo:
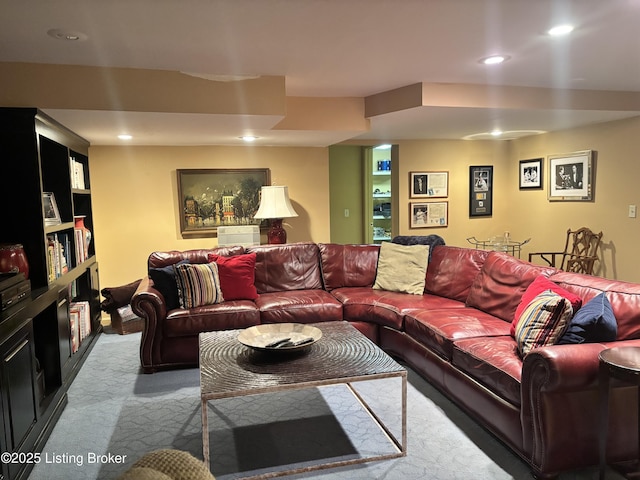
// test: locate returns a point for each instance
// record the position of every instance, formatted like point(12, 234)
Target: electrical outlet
point(346, 213)
point(632, 211)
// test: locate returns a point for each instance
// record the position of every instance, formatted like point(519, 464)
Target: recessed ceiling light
point(496, 133)
point(560, 30)
point(385, 146)
point(67, 35)
point(249, 138)
point(506, 135)
point(494, 59)
point(125, 136)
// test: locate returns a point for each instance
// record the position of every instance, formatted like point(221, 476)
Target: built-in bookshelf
point(46, 337)
point(381, 216)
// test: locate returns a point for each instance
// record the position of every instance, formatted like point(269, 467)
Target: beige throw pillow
point(402, 268)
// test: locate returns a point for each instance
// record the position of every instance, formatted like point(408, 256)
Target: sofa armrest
point(559, 391)
point(149, 304)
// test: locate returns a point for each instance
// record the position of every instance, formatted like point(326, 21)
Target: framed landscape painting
point(209, 198)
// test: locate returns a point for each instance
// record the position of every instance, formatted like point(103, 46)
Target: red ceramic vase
point(13, 259)
point(86, 240)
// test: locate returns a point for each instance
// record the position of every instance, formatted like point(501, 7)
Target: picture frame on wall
point(428, 184)
point(481, 191)
point(210, 198)
point(428, 214)
point(531, 177)
point(50, 208)
point(571, 176)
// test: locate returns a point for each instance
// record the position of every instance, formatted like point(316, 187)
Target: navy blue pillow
point(164, 280)
point(594, 322)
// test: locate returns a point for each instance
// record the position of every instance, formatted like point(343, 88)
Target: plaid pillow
point(198, 284)
point(543, 321)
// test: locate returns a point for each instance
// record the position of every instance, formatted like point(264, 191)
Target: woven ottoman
point(167, 464)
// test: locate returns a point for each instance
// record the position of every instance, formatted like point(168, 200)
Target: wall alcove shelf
point(45, 338)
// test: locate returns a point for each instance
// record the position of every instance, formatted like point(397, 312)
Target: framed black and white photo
point(531, 174)
point(428, 214)
point(571, 176)
point(428, 184)
point(480, 191)
point(50, 207)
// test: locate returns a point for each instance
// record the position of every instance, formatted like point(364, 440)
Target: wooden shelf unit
point(39, 362)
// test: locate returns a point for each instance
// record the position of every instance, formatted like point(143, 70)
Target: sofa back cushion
point(292, 266)
point(451, 271)
point(163, 259)
point(348, 265)
point(623, 296)
point(502, 281)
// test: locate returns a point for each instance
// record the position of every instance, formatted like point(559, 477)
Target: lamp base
point(276, 234)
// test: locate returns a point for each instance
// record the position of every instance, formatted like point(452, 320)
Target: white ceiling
point(335, 48)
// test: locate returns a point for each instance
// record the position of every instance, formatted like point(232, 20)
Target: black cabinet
point(18, 378)
point(45, 338)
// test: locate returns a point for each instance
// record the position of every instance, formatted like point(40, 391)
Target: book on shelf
point(58, 251)
point(74, 326)
point(77, 174)
point(83, 312)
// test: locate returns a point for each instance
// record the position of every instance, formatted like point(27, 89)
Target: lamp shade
point(275, 203)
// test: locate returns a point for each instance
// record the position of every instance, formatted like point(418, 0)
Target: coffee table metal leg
point(205, 435)
point(404, 414)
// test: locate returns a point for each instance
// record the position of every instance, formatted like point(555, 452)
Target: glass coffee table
point(342, 356)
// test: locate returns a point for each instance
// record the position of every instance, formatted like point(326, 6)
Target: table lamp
point(275, 205)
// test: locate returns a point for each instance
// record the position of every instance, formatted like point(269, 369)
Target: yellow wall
point(135, 208)
point(616, 187)
point(455, 157)
point(528, 213)
point(135, 191)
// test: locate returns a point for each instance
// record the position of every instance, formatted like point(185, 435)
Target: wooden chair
point(580, 252)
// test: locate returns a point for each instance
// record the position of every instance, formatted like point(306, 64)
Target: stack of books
point(58, 251)
point(80, 323)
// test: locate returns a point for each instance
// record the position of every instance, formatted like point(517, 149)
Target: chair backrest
point(580, 251)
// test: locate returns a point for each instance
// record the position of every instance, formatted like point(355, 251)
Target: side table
point(622, 363)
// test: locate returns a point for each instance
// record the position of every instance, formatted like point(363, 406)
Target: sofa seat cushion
point(299, 306)
point(439, 329)
point(492, 361)
point(207, 318)
point(386, 308)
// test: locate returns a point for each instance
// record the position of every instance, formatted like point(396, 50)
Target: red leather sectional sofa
point(545, 407)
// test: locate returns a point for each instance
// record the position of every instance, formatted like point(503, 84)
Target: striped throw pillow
point(198, 284)
point(543, 321)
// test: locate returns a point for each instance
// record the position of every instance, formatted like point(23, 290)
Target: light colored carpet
point(116, 410)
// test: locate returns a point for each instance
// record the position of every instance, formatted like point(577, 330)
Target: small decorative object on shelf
point(83, 238)
point(13, 259)
point(51, 213)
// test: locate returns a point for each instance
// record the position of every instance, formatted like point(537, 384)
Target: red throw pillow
point(237, 276)
point(539, 285)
